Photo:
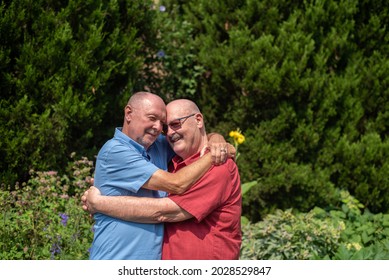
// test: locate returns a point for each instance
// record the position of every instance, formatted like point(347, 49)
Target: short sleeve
point(122, 167)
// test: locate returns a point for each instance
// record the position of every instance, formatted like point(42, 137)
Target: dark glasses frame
point(174, 126)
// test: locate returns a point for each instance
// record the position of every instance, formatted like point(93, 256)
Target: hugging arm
point(179, 182)
point(134, 209)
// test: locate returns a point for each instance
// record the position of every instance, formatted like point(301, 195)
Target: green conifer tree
point(67, 69)
point(307, 82)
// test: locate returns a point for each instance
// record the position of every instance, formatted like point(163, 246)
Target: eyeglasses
point(175, 124)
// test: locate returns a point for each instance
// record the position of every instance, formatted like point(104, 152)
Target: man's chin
point(177, 148)
point(151, 140)
point(148, 140)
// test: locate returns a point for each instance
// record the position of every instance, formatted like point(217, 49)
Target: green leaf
point(247, 186)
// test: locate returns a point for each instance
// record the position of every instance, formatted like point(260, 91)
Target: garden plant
point(301, 88)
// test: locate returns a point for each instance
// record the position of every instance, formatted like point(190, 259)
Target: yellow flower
point(240, 139)
point(232, 133)
point(354, 245)
point(237, 136)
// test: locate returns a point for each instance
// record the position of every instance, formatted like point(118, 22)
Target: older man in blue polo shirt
point(134, 162)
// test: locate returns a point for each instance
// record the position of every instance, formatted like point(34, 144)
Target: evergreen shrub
point(67, 69)
point(303, 80)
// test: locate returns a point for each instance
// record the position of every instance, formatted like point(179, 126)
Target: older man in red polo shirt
point(204, 222)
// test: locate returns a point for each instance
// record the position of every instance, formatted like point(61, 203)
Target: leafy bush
point(363, 167)
point(43, 218)
point(67, 69)
point(344, 233)
point(285, 236)
point(306, 81)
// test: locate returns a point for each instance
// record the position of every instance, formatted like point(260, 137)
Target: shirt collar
point(119, 134)
point(179, 163)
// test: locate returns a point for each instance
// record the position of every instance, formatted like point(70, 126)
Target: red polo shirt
point(215, 202)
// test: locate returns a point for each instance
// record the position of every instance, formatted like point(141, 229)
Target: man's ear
point(199, 120)
point(128, 113)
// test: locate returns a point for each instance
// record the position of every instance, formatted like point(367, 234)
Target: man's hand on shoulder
point(220, 152)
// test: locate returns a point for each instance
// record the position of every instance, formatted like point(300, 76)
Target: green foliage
point(43, 218)
point(341, 233)
point(377, 251)
point(285, 236)
point(247, 186)
point(307, 82)
point(173, 71)
point(303, 80)
point(363, 167)
point(67, 69)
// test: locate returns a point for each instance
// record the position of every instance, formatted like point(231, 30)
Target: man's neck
point(202, 143)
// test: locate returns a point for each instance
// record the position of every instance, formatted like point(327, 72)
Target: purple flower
point(160, 53)
point(162, 8)
point(55, 249)
point(64, 218)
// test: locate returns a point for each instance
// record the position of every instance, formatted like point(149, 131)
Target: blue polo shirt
point(122, 167)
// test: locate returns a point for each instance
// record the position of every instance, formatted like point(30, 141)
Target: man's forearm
point(180, 181)
point(139, 209)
